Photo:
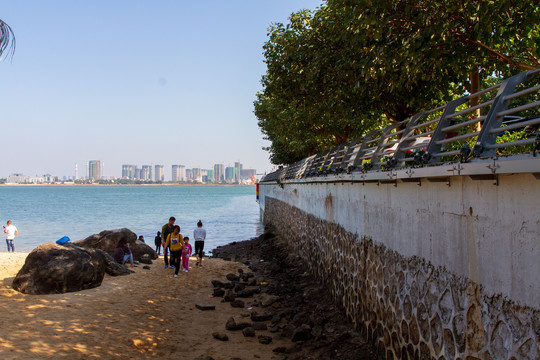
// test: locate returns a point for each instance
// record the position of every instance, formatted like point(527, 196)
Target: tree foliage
point(7, 40)
point(353, 65)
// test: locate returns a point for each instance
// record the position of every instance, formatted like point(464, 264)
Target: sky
point(134, 82)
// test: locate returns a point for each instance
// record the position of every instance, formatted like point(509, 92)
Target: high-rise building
point(210, 176)
point(146, 172)
point(230, 175)
point(219, 173)
point(196, 174)
point(237, 171)
point(159, 173)
point(94, 169)
point(128, 171)
point(189, 175)
point(178, 173)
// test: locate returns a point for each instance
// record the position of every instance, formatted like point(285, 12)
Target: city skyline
point(181, 91)
point(96, 170)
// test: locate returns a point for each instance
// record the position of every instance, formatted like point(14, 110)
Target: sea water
point(46, 213)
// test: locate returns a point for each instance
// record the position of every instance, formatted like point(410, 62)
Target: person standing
point(165, 231)
point(199, 234)
point(186, 253)
point(157, 242)
point(11, 232)
point(175, 242)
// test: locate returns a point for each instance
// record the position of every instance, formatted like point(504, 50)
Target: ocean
point(46, 213)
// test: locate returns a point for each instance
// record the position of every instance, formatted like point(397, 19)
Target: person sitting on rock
point(122, 252)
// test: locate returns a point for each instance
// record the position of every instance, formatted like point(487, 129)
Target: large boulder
point(107, 240)
point(51, 268)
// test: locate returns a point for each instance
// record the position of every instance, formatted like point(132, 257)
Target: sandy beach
point(148, 314)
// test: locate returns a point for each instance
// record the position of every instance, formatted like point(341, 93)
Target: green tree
point(338, 72)
point(7, 40)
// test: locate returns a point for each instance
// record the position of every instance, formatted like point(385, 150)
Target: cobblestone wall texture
point(405, 306)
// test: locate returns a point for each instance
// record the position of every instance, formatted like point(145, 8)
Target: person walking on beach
point(175, 242)
point(199, 234)
point(157, 242)
point(186, 253)
point(11, 232)
point(165, 231)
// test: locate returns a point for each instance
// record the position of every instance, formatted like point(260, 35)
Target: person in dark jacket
point(122, 252)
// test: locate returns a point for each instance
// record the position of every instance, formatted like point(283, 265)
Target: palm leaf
point(7, 41)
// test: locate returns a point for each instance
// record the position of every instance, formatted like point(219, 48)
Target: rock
point(145, 259)
point(301, 333)
point(107, 240)
point(217, 284)
point(255, 316)
point(230, 295)
point(205, 307)
point(220, 336)
point(280, 350)
point(232, 277)
point(287, 331)
point(267, 299)
point(237, 303)
point(240, 271)
point(146, 267)
point(233, 325)
point(203, 357)
point(248, 292)
point(259, 326)
point(263, 339)
point(301, 318)
point(51, 269)
point(248, 331)
point(219, 292)
point(239, 286)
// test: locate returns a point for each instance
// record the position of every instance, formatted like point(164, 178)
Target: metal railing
point(496, 121)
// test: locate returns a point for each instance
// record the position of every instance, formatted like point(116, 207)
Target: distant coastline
point(125, 185)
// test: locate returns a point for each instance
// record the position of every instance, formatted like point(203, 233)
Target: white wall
point(488, 233)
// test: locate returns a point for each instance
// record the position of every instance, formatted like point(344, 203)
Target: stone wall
point(406, 306)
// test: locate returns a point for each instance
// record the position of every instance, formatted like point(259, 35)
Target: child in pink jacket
point(186, 253)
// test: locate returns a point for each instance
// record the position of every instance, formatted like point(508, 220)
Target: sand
point(148, 314)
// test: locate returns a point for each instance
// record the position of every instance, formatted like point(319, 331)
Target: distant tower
point(76, 171)
point(94, 169)
point(159, 174)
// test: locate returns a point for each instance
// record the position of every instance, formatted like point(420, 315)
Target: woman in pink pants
point(186, 253)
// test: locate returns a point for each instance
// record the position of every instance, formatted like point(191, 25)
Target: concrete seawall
point(448, 269)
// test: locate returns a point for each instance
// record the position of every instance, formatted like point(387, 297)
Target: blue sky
point(138, 82)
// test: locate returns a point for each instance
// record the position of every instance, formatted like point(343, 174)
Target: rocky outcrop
point(107, 240)
point(51, 268)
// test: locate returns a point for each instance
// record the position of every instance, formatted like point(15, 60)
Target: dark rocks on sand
point(233, 325)
point(237, 303)
point(205, 307)
point(255, 316)
point(232, 277)
point(248, 292)
point(220, 336)
point(248, 331)
point(259, 326)
point(263, 339)
point(230, 295)
point(107, 240)
point(302, 332)
point(145, 259)
point(218, 292)
point(51, 268)
point(217, 284)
